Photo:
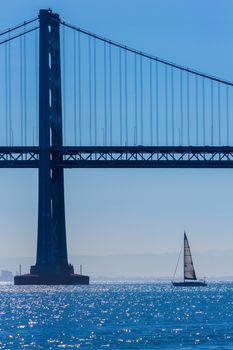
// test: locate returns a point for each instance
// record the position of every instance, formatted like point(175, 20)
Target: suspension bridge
point(74, 99)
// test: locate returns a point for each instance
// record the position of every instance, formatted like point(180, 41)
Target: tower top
point(48, 13)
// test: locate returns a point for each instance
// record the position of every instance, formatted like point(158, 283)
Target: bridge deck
point(121, 157)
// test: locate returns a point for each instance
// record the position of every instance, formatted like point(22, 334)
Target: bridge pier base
point(69, 279)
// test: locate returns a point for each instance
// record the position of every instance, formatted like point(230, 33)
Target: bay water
point(117, 315)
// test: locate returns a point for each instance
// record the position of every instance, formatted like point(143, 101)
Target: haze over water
point(117, 316)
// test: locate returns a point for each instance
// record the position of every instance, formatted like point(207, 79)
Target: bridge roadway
point(120, 157)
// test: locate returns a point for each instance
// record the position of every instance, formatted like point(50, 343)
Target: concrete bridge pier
point(52, 265)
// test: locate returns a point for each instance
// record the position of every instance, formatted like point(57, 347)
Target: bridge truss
point(121, 157)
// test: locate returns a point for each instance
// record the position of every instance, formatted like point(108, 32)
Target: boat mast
point(184, 258)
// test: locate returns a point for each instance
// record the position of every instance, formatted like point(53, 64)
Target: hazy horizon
point(161, 265)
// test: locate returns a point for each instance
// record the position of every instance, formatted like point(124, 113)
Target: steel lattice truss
point(120, 157)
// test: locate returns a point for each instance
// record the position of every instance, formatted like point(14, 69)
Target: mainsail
point(189, 272)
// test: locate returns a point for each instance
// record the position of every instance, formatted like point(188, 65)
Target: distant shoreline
point(141, 267)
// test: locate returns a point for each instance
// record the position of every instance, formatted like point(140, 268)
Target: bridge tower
point(52, 265)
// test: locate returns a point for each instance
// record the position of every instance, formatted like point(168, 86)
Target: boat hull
point(190, 284)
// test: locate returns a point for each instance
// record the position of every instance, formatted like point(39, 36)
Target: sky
point(144, 211)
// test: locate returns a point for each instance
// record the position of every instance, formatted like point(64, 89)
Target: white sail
point(189, 272)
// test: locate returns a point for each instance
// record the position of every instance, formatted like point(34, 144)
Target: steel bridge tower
point(52, 265)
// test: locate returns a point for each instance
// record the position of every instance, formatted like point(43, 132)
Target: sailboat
point(190, 279)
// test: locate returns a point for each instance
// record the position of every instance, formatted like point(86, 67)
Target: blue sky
point(133, 211)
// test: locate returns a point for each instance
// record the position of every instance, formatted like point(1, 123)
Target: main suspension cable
point(18, 26)
point(18, 35)
point(146, 55)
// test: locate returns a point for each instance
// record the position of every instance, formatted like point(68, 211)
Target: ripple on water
point(116, 316)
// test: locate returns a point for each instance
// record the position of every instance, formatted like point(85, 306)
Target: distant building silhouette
point(6, 276)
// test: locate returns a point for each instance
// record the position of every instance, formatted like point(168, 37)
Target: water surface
point(117, 316)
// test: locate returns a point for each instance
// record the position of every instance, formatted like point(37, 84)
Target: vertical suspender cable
point(135, 100)
point(126, 100)
point(212, 113)
point(105, 96)
point(151, 106)
point(75, 89)
point(141, 93)
point(90, 92)
point(36, 88)
point(79, 90)
point(21, 92)
point(172, 98)
point(227, 113)
point(9, 75)
point(120, 92)
point(197, 121)
point(157, 103)
point(25, 87)
point(64, 84)
point(181, 109)
point(188, 111)
point(110, 92)
point(166, 107)
point(6, 92)
point(95, 101)
point(203, 107)
point(219, 115)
